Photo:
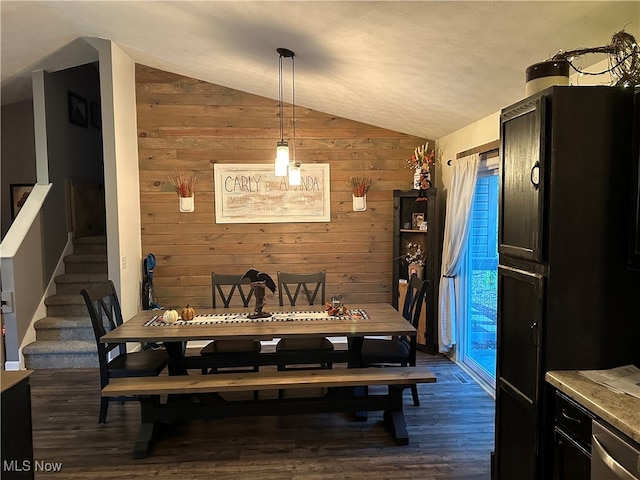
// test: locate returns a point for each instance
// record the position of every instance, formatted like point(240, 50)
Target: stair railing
point(24, 276)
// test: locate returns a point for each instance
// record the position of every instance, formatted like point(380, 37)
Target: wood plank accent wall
point(188, 125)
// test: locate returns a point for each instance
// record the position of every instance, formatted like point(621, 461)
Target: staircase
point(64, 338)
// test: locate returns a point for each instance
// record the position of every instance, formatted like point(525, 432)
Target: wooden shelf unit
point(404, 206)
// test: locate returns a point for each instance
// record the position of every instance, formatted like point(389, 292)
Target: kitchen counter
point(618, 409)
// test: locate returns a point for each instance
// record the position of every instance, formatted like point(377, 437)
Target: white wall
point(18, 153)
point(122, 187)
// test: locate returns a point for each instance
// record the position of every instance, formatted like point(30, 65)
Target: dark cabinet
point(571, 461)
point(571, 440)
point(522, 181)
point(634, 237)
point(17, 442)
point(566, 297)
point(406, 211)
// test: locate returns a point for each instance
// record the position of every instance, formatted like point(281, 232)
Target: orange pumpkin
point(188, 313)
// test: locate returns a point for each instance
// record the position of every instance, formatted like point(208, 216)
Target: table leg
point(394, 418)
point(176, 351)
point(355, 361)
point(147, 427)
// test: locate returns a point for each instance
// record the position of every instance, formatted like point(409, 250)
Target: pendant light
point(286, 164)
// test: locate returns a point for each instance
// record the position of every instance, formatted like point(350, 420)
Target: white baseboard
point(11, 366)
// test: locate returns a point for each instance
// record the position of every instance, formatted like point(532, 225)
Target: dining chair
point(396, 351)
point(312, 286)
point(104, 310)
point(225, 286)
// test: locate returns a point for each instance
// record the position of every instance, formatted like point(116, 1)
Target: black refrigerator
point(566, 296)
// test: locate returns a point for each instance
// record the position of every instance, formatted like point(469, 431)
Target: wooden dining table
point(198, 396)
point(370, 319)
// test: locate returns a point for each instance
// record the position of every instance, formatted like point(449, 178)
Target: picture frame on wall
point(19, 193)
point(96, 115)
point(78, 110)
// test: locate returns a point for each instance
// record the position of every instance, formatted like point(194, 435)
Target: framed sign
point(251, 193)
point(19, 193)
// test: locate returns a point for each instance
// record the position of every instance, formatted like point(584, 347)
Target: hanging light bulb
point(295, 175)
point(282, 165)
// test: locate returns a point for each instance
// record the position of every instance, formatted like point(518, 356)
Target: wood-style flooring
point(451, 437)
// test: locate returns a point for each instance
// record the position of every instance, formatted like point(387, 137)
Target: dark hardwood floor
point(451, 437)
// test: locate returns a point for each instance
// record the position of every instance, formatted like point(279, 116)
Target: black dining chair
point(104, 310)
point(226, 286)
point(396, 351)
point(310, 288)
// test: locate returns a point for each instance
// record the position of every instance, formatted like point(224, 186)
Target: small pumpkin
point(188, 313)
point(170, 316)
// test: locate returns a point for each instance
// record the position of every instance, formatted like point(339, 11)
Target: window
point(478, 332)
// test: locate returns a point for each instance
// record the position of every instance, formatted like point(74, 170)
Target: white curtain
point(456, 232)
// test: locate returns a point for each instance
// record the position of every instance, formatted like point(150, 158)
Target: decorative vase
point(417, 269)
point(187, 204)
point(359, 203)
point(416, 179)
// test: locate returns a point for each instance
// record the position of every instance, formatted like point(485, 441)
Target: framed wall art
point(78, 110)
point(251, 193)
point(19, 193)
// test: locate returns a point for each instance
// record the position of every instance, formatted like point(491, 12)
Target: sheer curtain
point(456, 231)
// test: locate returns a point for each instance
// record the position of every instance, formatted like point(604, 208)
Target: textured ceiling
point(423, 68)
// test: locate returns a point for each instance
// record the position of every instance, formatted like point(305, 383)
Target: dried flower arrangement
point(421, 160)
point(414, 254)
point(183, 184)
point(360, 185)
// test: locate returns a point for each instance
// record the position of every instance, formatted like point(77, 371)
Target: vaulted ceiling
point(425, 68)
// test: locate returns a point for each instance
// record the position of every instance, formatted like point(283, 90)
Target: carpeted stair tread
point(91, 239)
point(86, 258)
point(60, 347)
point(82, 278)
point(64, 299)
point(63, 322)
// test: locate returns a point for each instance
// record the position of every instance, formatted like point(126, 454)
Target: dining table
point(191, 395)
point(308, 321)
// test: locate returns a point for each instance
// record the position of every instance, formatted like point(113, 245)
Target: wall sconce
point(360, 185)
point(286, 164)
point(184, 184)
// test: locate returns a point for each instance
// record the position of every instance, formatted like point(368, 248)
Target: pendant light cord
point(293, 105)
point(280, 95)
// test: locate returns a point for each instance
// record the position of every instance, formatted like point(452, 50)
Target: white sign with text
point(251, 193)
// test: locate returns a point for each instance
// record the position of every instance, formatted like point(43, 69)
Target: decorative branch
point(183, 184)
point(360, 185)
point(624, 58)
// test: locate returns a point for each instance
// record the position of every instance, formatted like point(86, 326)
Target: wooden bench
point(197, 396)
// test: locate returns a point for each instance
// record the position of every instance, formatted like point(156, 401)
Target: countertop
point(618, 409)
point(10, 378)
